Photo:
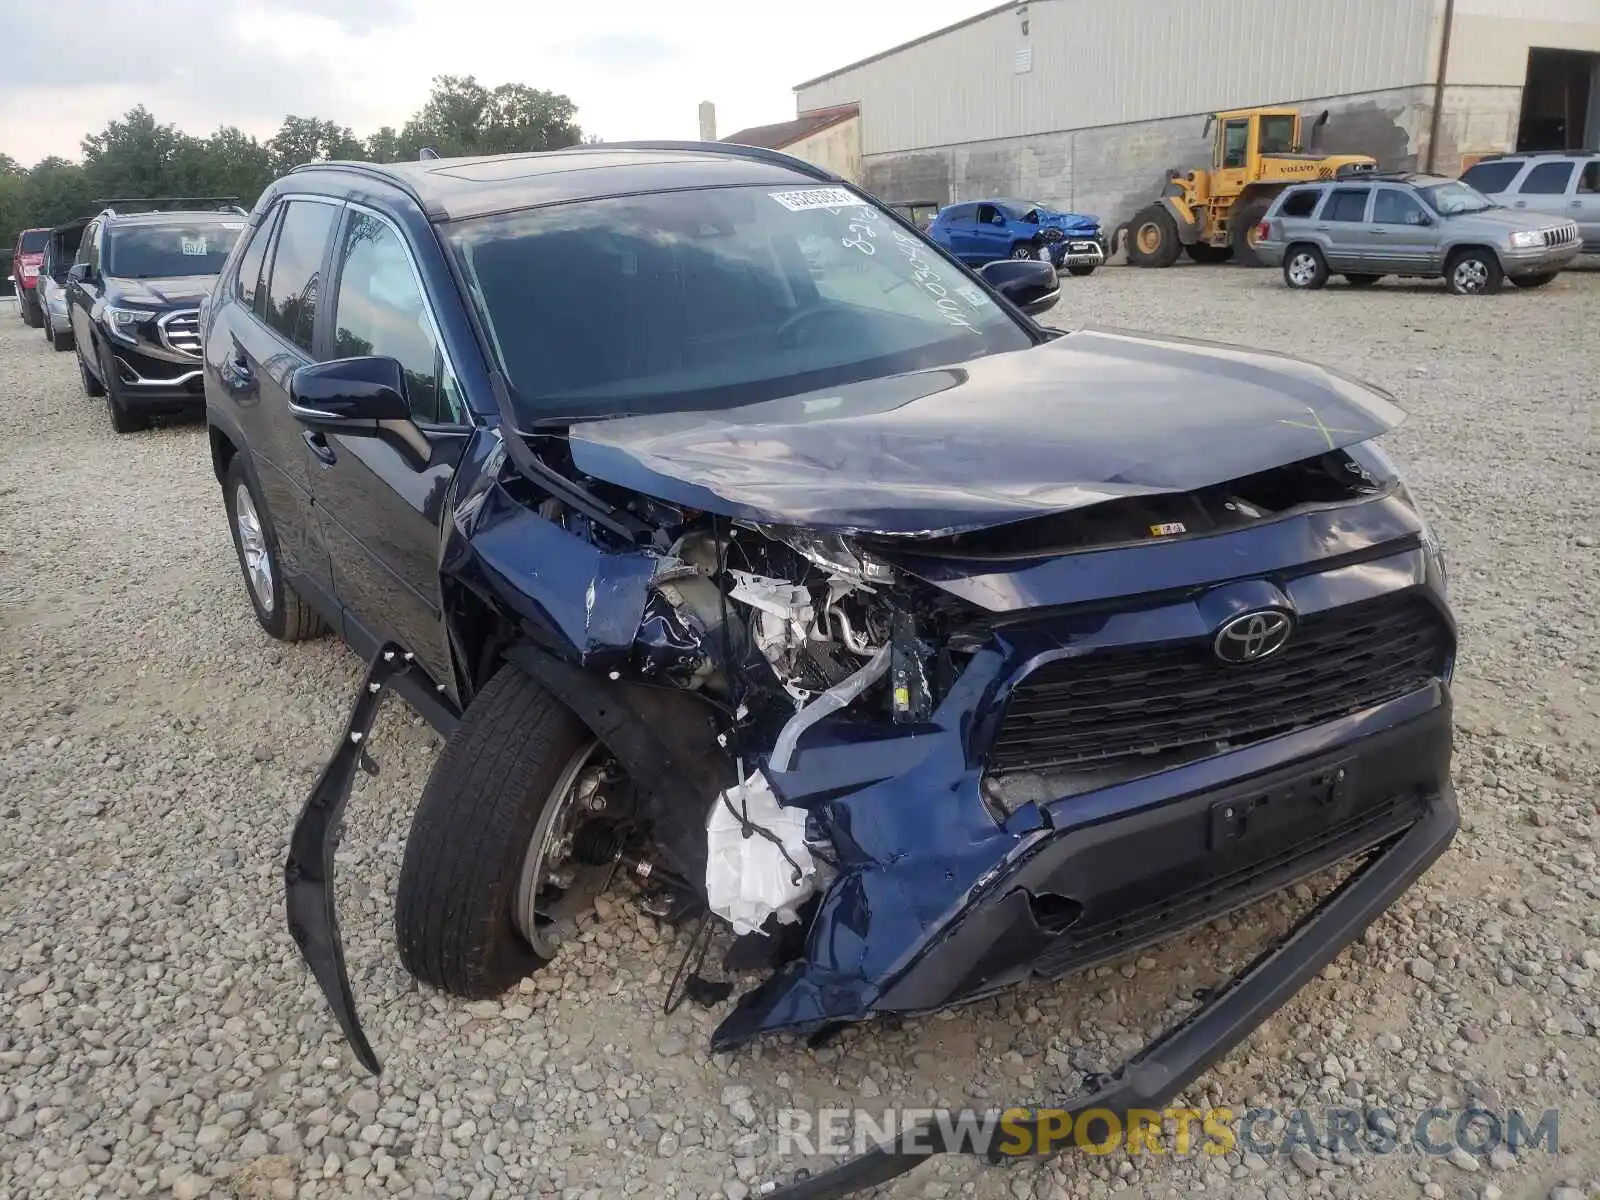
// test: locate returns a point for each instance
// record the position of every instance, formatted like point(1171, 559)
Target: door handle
point(1519, 204)
point(1322, 229)
point(1379, 232)
point(1577, 204)
point(319, 446)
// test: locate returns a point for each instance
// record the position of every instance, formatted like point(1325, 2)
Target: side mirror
point(349, 395)
point(78, 272)
point(1031, 285)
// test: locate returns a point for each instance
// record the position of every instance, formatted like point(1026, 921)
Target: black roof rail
point(121, 205)
point(375, 171)
point(776, 158)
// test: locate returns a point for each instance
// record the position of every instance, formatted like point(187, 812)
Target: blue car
point(981, 231)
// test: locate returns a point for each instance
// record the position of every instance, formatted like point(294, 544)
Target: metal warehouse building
point(1085, 104)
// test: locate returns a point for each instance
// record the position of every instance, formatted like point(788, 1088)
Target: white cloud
point(635, 68)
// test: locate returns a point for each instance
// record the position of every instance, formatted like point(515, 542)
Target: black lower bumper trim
point(1171, 1062)
point(308, 873)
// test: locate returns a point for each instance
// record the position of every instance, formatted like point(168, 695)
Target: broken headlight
point(833, 552)
point(1375, 462)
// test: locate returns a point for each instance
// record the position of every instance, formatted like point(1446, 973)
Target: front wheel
point(1535, 281)
point(1153, 238)
point(91, 383)
point(1024, 252)
point(123, 419)
point(1473, 273)
point(1304, 268)
point(501, 862)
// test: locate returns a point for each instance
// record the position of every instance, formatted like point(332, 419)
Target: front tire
point(1535, 281)
point(123, 419)
point(1242, 237)
point(91, 384)
point(495, 792)
point(1025, 252)
point(1473, 273)
point(279, 609)
point(1304, 268)
point(1153, 238)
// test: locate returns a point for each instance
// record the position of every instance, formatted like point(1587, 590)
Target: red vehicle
point(27, 260)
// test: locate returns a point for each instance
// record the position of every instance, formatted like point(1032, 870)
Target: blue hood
point(1075, 223)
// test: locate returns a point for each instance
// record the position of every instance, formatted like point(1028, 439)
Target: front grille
point(1563, 236)
point(1176, 697)
point(180, 331)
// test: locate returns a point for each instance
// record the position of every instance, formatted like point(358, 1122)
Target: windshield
point(34, 240)
point(1454, 197)
point(713, 298)
point(163, 251)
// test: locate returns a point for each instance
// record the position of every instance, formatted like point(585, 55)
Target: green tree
point(384, 145)
point(311, 139)
point(462, 117)
point(136, 156)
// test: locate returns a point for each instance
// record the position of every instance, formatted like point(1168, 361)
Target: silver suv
point(1559, 185)
point(1405, 224)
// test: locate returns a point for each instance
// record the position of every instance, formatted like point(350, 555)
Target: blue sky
point(635, 68)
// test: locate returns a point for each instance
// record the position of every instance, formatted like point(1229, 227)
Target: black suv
point(133, 294)
point(754, 554)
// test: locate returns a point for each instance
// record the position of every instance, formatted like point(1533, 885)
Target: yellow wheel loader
point(1212, 215)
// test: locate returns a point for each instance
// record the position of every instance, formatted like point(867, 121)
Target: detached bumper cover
point(1161, 1070)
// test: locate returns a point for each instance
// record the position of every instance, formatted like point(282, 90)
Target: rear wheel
point(1473, 272)
point(500, 865)
point(1361, 280)
point(1205, 252)
point(279, 608)
point(1244, 231)
point(1534, 281)
point(1153, 238)
point(1304, 268)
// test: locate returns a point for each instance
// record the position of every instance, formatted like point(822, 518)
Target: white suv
point(1562, 185)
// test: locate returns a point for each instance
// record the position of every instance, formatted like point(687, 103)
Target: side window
point(1548, 179)
point(381, 310)
point(987, 214)
point(1346, 204)
point(1300, 204)
point(1235, 143)
point(255, 257)
point(1394, 207)
point(89, 248)
point(1590, 182)
point(303, 235)
point(1491, 177)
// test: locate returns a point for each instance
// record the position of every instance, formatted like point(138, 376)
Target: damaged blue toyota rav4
point(754, 555)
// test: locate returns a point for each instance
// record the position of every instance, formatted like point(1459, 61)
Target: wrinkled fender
point(563, 592)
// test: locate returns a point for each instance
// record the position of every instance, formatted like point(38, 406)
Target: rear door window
point(1346, 204)
point(1548, 179)
point(1589, 182)
point(247, 288)
point(296, 277)
point(1492, 177)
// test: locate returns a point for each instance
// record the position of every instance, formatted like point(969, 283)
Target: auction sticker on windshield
point(808, 198)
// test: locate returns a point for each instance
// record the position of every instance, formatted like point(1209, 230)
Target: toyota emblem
point(1252, 636)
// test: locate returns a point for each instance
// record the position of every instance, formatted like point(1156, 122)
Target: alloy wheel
point(253, 547)
point(1302, 270)
point(1471, 275)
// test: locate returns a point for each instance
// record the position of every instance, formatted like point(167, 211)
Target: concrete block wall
point(1113, 171)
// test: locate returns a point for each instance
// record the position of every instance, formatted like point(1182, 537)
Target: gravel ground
point(159, 1035)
